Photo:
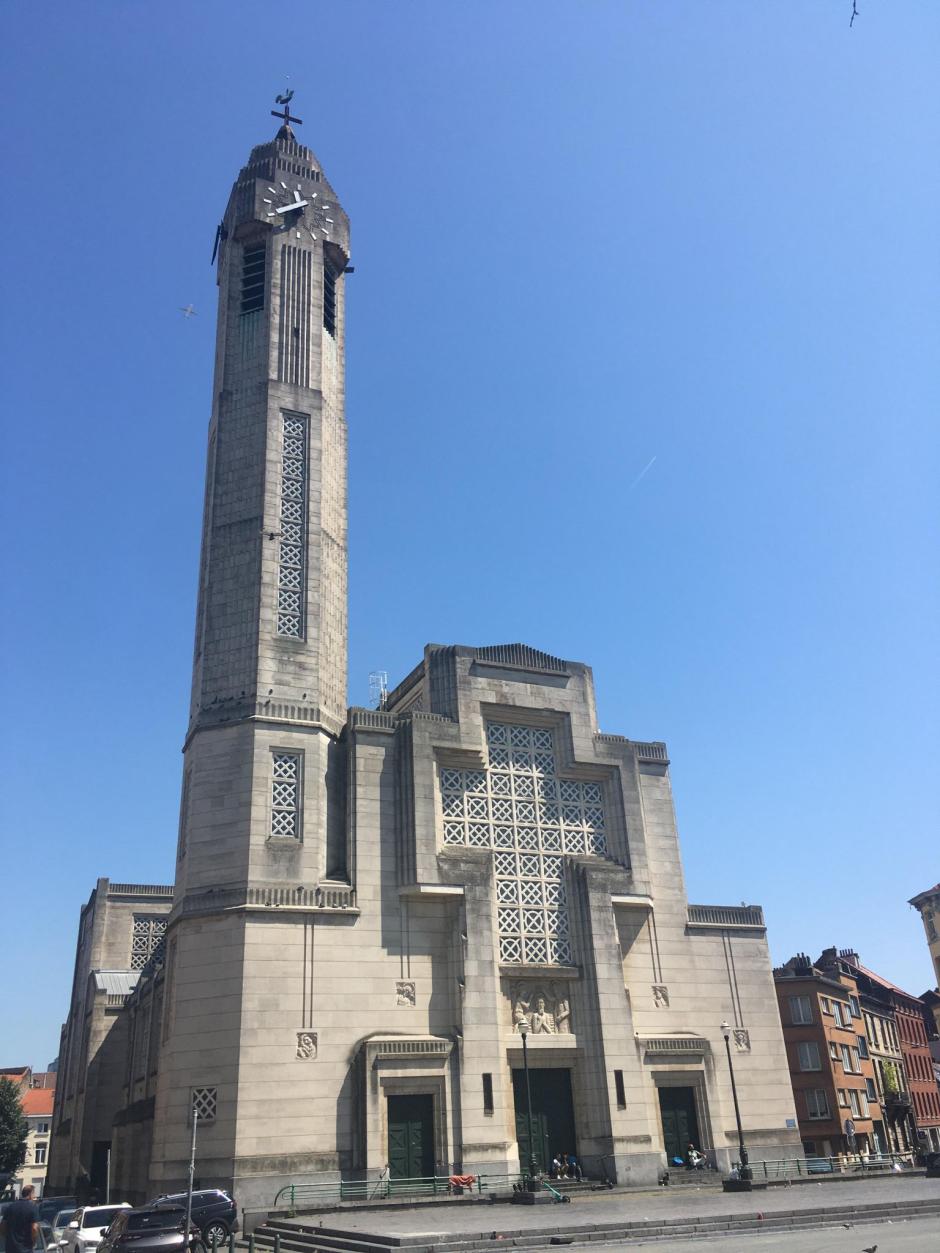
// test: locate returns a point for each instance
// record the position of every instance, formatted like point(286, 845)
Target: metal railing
point(295, 1195)
point(844, 1164)
point(726, 915)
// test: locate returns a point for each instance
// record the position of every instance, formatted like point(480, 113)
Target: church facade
point(369, 903)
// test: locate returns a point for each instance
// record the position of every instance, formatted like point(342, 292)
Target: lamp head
point(726, 1030)
point(523, 1027)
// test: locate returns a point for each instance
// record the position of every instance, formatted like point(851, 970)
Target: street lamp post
point(532, 1167)
point(745, 1174)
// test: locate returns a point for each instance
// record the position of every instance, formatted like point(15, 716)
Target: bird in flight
point(188, 311)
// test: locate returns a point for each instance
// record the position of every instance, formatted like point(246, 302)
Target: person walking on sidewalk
point(20, 1223)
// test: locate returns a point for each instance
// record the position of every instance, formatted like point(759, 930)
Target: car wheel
point(215, 1233)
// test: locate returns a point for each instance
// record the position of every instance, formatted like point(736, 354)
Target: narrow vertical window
point(253, 266)
point(184, 816)
point(329, 298)
point(487, 1093)
point(285, 796)
point(291, 582)
point(621, 1094)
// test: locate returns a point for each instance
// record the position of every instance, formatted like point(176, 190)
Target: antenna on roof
point(378, 689)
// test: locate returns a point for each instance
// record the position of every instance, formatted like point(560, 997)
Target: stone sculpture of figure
point(306, 1045)
point(562, 1017)
point(519, 1015)
point(543, 1022)
point(660, 996)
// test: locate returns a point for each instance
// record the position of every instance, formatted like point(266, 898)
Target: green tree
point(13, 1129)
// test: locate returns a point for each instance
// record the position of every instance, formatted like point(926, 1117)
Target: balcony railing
point(726, 916)
point(898, 1100)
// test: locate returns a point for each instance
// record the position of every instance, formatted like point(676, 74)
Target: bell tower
point(262, 823)
point(271, 620)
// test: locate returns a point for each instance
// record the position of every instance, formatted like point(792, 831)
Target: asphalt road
point(919, 1235)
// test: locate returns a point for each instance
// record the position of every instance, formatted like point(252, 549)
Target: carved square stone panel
point(306, 1045)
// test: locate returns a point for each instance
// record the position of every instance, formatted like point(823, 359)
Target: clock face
point(293, 209)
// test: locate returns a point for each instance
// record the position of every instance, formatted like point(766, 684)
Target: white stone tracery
point(291, 582)
point(285, 795)
point(531, 818)
point(147, 940)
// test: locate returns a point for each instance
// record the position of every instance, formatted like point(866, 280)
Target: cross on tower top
point(286, 117)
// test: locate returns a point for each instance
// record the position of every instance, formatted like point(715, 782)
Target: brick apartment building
point(908, 1014)
point(894, 1131)
point(831, 1069)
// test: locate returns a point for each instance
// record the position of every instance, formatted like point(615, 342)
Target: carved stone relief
point(742, 1040)
point(405, 993)
point(546, 1007)
point(660, 996)
point(306, 1045)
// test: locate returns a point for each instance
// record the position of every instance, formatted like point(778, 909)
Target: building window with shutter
point(329, 298)
point(817, 1103)
point(253, 273)
point(801, 1011)
point(809, 1055)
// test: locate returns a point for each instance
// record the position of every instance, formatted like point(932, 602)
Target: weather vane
point(285, 98)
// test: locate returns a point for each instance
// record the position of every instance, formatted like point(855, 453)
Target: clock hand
point(297, 204)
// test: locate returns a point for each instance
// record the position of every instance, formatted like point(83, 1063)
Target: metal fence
point(301, 1195)
point(844, 1164)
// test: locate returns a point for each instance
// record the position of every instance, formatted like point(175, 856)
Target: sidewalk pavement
point(627, 1206)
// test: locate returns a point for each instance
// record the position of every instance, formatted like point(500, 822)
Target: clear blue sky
point(642, 371)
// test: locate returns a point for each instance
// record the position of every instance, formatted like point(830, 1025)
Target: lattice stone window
point(285, 795)
point(531, 819)
point(147, 940)
point(205, 1103)
point(292, 566)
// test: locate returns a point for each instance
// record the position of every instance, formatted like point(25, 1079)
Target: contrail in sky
point(640, 475)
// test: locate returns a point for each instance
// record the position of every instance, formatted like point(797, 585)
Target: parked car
point(87, 1225)
point(51, 1205)
point(60, 1223)
point(213, 1211)
point(152, 1229)
point(819, 1166)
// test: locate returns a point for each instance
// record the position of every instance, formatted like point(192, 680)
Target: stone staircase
point(680, 1178)
point(296, 1235)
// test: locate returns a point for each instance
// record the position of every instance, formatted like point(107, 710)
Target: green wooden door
point(411, 1137)
point(552, 1115)
point(680, 1124)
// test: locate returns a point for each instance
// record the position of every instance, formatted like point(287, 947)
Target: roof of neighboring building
point(885, 983)
point(38, 1101)
point(43, 1079)
point(934, 891)
point(116, 982)
point(16, 1074)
